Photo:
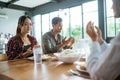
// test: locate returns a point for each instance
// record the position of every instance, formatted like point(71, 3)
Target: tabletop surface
point(25, 69)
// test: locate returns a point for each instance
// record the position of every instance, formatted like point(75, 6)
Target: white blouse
point(103, 62)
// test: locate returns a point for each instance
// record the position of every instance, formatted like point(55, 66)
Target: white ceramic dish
point(80, 70)
point(65, 59)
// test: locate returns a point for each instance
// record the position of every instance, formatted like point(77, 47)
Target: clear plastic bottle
point(83, 48)
point(3, 42)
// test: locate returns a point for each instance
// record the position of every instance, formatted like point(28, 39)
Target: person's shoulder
point(13, 38)
point(47, 33)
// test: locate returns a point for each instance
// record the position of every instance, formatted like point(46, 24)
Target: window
point(52, 15)
point(74, 19)
point(37, 28)
point(117, 26)
point(45, 23)
point(110, 19)
point(113, 25)
point(76, 23)
point(90, 13)
point(64, 14)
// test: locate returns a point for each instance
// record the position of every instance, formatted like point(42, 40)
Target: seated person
point(103, 62)
point(20, 45)
point(52, 41)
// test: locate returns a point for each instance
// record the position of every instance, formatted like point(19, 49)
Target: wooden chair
point(3, 57)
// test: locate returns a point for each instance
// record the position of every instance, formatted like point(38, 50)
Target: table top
point(25, 69)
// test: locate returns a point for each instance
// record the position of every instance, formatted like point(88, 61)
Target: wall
point(9, 24)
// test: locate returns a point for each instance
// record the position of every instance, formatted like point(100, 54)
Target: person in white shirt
point(103, 62)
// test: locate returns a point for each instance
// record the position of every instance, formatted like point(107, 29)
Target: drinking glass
point(37, 55)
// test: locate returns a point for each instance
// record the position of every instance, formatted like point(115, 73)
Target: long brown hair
point(18, 31)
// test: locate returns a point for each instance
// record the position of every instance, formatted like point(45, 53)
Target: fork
point(74, 72)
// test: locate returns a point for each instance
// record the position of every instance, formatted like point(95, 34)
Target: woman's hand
point(28, 52)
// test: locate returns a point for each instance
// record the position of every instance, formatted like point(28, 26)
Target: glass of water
point(37, 51)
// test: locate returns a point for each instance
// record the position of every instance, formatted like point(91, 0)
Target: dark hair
point(55, 20)
point(117, 4)
point(18, 31)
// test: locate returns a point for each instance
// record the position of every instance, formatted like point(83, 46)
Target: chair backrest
point(108, 39)
point(3, 57)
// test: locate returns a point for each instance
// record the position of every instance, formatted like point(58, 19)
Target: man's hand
point(65, 41)
point(71, 42)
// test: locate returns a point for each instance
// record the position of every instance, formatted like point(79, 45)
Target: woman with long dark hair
point(20, 45)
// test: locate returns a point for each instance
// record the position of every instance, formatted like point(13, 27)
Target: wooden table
point(25, 69)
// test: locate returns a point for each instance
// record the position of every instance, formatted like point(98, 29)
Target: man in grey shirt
point(52, 41)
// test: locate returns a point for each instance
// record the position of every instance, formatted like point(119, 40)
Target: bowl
point(67, 56)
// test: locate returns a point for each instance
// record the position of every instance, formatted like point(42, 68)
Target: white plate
point(44, 57)
point(84, 73)
point(80, 70)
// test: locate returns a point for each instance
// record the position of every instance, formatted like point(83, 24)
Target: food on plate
point(68, 56)
point(69, 53)
point(82, 67)
point(46, 56)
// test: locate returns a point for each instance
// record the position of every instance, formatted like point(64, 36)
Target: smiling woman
point(20, 45)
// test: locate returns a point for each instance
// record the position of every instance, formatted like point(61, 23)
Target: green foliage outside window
point(76, 31)
point(113, 27)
